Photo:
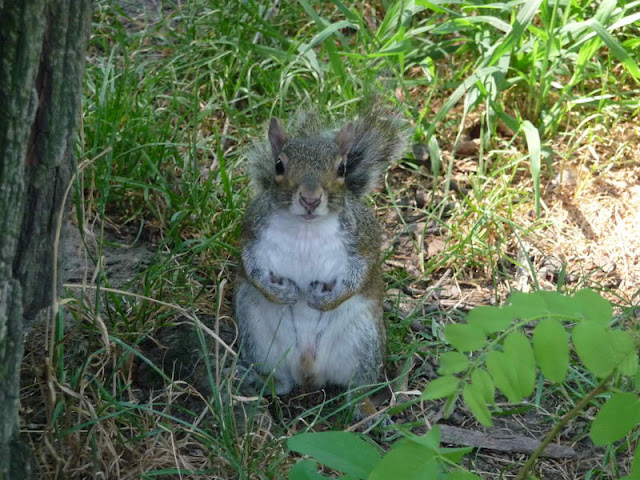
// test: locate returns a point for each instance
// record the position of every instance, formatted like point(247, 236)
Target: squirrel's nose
point(310, 203)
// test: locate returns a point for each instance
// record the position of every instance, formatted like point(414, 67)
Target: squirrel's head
point(309, 173)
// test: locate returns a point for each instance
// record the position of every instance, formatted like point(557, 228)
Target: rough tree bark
point(42, 52)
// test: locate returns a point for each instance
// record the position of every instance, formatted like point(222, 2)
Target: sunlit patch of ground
point(593, 205)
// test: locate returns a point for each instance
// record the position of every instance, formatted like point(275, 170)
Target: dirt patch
point(593, 205)
point(121, 257)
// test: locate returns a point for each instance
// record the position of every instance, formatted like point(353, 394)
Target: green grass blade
point(398, 15)
point(482, 19)
point(523, 20)
point(616, 48)
point(458, 93)
point(326, 33)
point(533, 143)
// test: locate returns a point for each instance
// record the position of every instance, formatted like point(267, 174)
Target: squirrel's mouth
point(309, 216)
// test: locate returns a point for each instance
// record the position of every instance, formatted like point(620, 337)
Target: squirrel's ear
point(345, 139)
point(277, 136)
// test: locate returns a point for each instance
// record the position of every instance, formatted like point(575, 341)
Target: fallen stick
point(501, 441)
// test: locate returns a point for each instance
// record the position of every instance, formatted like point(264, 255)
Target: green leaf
point(490, 319)
point(407, 460)
point(480, 75)
point(527, 306)
point(452, 362)
point(533, 144)
point(474, 399)
point(519, 353)
point(615, 47)
point(535, 305)
point(629, 365)
point(431, 439)
point(343, 451)
point(625, 351)
point(482, 19)
point(617, 417)
point(558, 304)
point(325, 33)
point(593, 307)
point(462, 475)
point(523, 19)
point(504, 375)
point(604, 11)
point(305, 470)
point(398, 14)
point(441, 387)
point(435, 157)
point(551, 348)
point(465, 337)
point(455, 454)
point(600, 349)
point(482, 381)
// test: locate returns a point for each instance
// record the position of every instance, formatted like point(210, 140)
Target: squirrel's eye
point(279, 168)
point(341, 169)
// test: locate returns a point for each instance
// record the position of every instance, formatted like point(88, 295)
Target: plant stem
point(598, 389)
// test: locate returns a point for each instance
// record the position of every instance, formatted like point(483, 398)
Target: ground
point(136, 379)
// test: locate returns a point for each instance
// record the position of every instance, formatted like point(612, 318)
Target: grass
point(171, 99)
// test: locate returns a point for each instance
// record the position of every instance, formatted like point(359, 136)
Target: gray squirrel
point(308, 298)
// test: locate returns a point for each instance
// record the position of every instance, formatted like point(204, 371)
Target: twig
point(501, 442)
point(526, 468)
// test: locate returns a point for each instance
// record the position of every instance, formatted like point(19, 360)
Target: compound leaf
point(592, 307)
point(490, 319)
point(465, 337)
point(617, 417)
point(441, 387)
point(519, 354)
point(551, 348)
point(600, 349)
point(474, 399)
point(452, 362)
point(482, 381)
point(503, 374)
point(527, 306)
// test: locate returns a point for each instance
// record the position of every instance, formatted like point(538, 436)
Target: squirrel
point(308, 297)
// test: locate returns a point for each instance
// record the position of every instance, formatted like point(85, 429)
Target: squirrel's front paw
point(321, 295)
point(282, 289)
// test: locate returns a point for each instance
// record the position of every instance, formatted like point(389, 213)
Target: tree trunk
point(42, 52)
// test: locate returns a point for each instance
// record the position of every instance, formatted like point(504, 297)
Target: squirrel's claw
point(282, 290)
point(321, 296)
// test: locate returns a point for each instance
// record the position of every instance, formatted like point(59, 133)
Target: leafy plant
point(412, 457)
point(493, 352)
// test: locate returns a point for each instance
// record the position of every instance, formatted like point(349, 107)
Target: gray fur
point(380, 136)
point(308, 300)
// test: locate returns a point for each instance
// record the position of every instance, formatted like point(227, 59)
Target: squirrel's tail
point(381, 137)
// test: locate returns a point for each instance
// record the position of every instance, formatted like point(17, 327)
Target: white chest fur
point(304, 251)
